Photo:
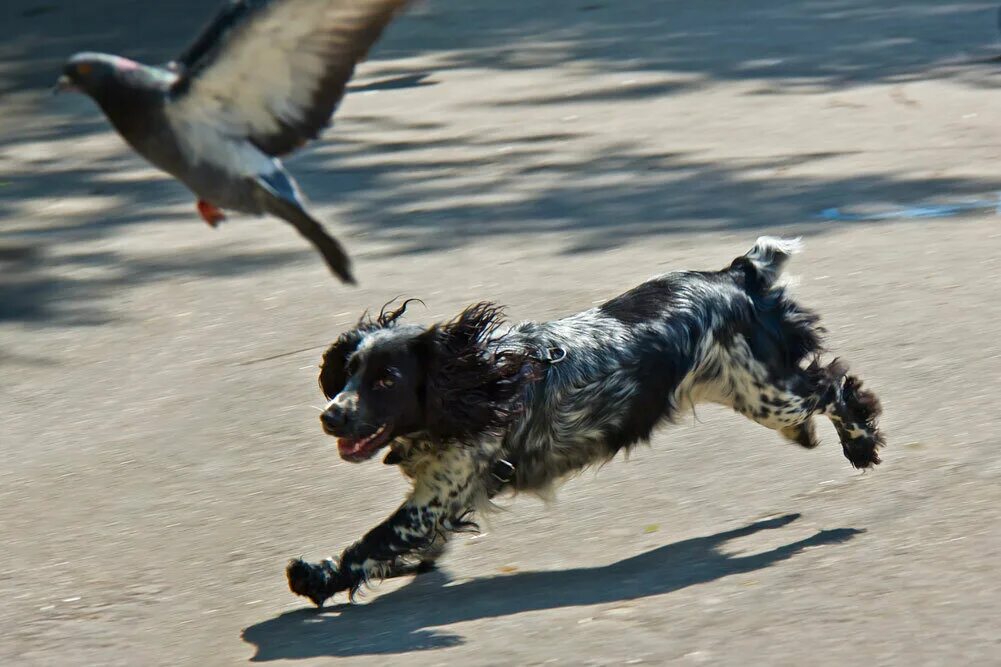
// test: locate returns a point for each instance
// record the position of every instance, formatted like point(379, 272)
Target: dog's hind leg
point(785, 405)
point(854, 411)
point(788, 403)
point(782, 400)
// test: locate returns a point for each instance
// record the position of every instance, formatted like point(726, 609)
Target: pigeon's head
point(93, 73)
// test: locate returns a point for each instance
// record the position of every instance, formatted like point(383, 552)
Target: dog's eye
point(388, 380)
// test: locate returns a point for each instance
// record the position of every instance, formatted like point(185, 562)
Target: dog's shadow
point(402, 620)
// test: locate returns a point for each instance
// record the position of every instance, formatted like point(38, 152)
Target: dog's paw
point(316, 582)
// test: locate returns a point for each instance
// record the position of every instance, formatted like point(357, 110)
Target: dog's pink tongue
point(348, 447)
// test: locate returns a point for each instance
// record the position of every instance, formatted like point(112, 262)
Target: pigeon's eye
point(84, 68)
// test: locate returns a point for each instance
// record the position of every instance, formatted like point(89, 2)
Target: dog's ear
point(333, 371)
point(471, 390)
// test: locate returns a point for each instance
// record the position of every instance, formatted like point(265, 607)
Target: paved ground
point(161, 455)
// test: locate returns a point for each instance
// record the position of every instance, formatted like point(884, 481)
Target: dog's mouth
point(362, 449)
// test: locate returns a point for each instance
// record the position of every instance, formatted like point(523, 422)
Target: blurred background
point(161, 452)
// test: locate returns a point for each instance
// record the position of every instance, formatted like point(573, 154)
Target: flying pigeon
point(263, 78)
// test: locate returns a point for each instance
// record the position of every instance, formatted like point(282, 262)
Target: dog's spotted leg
point(855, 411)
point(782, 402)
point(787, 403)
point(445, 486)
point(422, 561)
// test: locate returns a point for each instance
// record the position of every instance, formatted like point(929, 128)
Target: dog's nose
point(334, 417)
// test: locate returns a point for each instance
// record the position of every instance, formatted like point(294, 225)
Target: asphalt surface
point(162, 457)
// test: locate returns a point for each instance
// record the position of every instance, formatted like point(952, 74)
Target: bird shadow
point(406, 617)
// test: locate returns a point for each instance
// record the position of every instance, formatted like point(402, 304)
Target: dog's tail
point(765, 261)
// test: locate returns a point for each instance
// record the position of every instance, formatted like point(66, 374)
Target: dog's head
point(446, 382)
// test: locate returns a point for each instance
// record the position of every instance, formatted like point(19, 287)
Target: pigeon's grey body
point(260, 81)
point(134, 104)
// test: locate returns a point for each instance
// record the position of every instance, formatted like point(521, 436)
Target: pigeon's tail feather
point(293, 213)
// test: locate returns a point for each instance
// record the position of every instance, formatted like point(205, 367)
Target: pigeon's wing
point(274, 70)
point(228, 17)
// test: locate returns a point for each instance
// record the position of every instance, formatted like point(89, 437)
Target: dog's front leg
point(443, 493)
point(407, 531)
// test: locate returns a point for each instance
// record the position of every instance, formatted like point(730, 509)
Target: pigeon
point(262, 79)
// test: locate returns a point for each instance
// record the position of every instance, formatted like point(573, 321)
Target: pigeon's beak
point(63, 84)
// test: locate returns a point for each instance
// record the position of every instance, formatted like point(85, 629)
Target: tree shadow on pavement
point(404, 620)
point(415, 186)
point(827, 44)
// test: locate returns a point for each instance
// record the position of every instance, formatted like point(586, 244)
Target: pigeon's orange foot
point(210, 214)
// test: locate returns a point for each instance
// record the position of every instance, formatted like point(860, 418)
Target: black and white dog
point(471, 408)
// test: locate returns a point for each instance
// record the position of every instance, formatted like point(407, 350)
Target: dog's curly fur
point(470, 408)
